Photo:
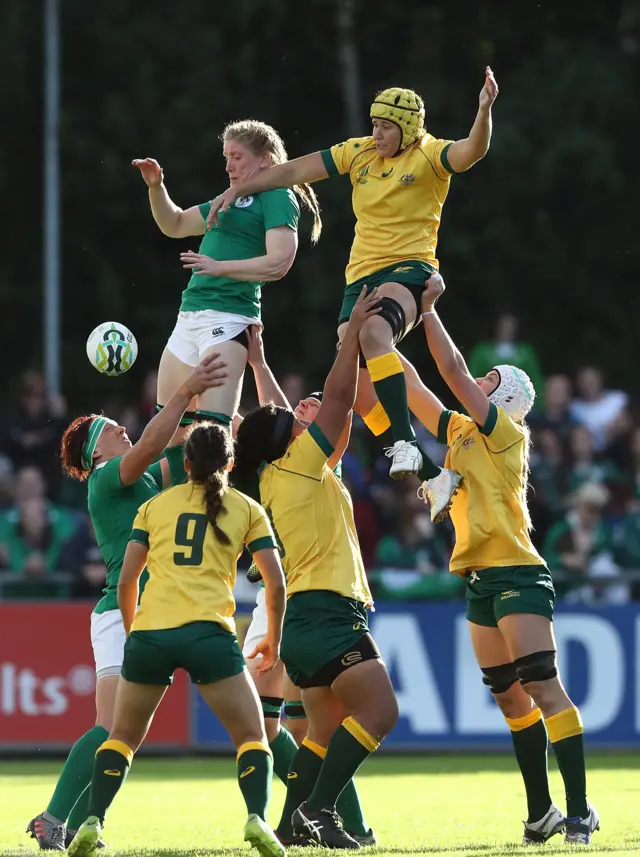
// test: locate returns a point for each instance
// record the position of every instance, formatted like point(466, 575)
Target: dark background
point(546, 225)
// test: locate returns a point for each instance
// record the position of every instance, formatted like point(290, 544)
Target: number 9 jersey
point(191, 573)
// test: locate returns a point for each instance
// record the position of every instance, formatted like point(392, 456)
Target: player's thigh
point(226, 399)
point(106, 688)
point(172, 372)
point(366, 692)
point(135, 706)
point(325, 712)
point(236, 704)
point(294, 711)
point(380, 332)
point(489, 646)
point(527, 633)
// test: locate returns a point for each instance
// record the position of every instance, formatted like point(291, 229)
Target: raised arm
point(268, 388)
point(172, 221)
point(340, 387)
point(422, 402)
point(304, 170)
point(465, 153)
point(158, 433)
point(449, 360)
point(281, 244)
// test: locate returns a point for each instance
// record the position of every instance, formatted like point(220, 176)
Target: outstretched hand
point(489, 91)
point(366, 306)
point(150, 170)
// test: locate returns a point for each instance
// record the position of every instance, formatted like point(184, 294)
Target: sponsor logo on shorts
point(402, 269)
point(475, 577)
point(292, 775)
point(358, 626)
point(247, 771)
point(244, 201)
point(407, 179)
point(112, 772)
point(511, 593)
point(217, 331)
point(350, 659)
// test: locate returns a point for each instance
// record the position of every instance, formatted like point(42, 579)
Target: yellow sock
point(118, 747)
point(517, 724)
point(318, 749)
point(384, 366)
point(565, 724)
point(377, 420)
point(360, 734)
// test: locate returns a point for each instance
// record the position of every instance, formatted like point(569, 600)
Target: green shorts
point(318, 627)
point(206, 650)
point(495, 592)
point(411, 274)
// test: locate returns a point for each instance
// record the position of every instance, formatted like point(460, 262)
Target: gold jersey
point(191, 573)
point(312, 515)
point(397, 201)
point(489, 512)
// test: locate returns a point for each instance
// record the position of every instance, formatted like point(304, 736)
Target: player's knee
point(376, 332)
point(514, 703)
point(537, 674)
point(500, 679)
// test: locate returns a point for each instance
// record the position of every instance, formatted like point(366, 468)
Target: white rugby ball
point(112, 348)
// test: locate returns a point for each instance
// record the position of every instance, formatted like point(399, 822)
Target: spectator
point(34, 429)
point(505, 347)
point(582, 547)
point(584, 465)
point(82, 558)
point(595, 407)
point(555, 412)
point(546, 501)
point(6, 483)
point(32, 536)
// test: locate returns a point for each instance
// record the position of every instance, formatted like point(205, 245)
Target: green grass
point(448, 805)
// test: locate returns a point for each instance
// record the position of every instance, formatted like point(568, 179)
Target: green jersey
point(113, 508)
point(241, 234)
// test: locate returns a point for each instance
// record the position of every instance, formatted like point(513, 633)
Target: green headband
point(89, 447)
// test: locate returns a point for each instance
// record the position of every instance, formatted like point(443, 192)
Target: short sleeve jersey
point(240, 234)
point(397, 201)
point(191, 572)
point(489, 512)
point(113, 508)
point(312, 515)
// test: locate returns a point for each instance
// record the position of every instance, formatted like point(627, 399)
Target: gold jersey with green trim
point(489, 512)
point(192, 573)
point(397, 201)
point(112, 509)
point(240, 234)
point(312, 515)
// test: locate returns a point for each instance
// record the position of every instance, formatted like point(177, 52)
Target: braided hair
point(209, 449)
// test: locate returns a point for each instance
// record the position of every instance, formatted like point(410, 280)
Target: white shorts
point(257, 630)
point(195, 331)
point(108, 639)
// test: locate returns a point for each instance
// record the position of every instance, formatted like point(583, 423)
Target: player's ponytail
point(209, 450)
point(71, 446)
point(261, 138)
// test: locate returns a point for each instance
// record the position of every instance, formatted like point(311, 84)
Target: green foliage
point(545, 225)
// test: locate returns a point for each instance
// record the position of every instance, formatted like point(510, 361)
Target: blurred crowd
point(584, 492)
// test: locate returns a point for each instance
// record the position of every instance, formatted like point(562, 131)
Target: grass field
point(447, 805)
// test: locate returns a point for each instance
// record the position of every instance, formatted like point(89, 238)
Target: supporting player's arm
point(281, 244)
point(339, 394)
point(450, 362)
point(172, 220)
point(135, 559)
point(268, 388)
point(304, 170)
point(158, 433)
point(423, 403)
point(466, 152)
point(269, 566)
point(341, 447)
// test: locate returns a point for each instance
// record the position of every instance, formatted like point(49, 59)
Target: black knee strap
point(499, 679)
point(271, 706)
point(294, 711)
point(393, 313)
point(539, 666)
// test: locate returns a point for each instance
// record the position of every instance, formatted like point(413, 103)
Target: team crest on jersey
point(468, 442)
point(244, 201)
point(362, 179)
point(387, 174)
point(407, 179)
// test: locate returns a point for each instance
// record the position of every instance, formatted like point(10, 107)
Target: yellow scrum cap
point(404, 108)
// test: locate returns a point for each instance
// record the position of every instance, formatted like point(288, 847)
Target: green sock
point(530, 745)
point(255, 771)
point(110, 770)
point(570, 756)
point(76, 773)
point(80, 811)
point(303, 774)
point(392, 394)
point(284, 750)
point(345, 754)
point(350, 810)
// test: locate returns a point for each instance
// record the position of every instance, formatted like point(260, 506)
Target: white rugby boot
point(439, 492)
point(537, 832)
